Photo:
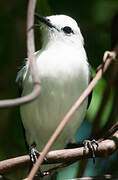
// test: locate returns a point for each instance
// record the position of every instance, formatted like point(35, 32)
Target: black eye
point(67, 30)
point(48, 20)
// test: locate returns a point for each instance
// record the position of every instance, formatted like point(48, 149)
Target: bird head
point(60, 28)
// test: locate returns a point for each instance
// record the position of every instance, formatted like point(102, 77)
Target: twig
point(104, 101)
point(59, 167)
point(112, 80)
point(30, 41)
point(113, 129)
point(96, 132)
point(104, 177)
point(107, 59)
point(114, 110)
point(9, 165)
point(33, 67)
point(19, 101)
point(105, 148)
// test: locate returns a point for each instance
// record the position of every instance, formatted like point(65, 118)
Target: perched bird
point(64, 74)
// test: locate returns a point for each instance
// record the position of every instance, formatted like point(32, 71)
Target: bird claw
point(34, 154)
point(89, 145)
point(109, 54)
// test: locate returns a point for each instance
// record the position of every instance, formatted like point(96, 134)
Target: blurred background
point(95, 18)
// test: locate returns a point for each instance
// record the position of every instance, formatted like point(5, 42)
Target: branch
point(107, 59)
point(105, 98)
point(96, 132)
point(105, 148)
point(22, 100)
point(33, 67)
point(58, 156)
point(30, 42)
point(112, 80)
point(9, 165)
point(104, 177)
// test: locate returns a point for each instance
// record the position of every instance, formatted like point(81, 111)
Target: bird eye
point(67, 30)
point(48, 20)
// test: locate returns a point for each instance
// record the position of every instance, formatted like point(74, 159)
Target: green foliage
point(96, 101)
point(43, 8)
point(94, 18)
point(103, 10)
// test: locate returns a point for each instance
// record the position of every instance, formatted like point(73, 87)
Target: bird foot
point(89, 145)
point(34, 154)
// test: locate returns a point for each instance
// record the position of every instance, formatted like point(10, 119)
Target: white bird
point(64, 74)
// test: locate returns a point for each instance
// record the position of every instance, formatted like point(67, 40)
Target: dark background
point(94, 18)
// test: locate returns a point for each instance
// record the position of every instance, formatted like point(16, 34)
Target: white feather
point(64, 74)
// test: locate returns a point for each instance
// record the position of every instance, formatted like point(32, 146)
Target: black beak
point(44, 20)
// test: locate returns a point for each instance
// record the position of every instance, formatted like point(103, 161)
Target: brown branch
point(112, 130)
point(96, 132)
point(105, 148)
point(9, 165)
point(114, 110)
point(33, 67)
point(30, 42)
point(112, 80)
point(105, 98)
point(107, 59)
point(103, 177)
point(19, 101)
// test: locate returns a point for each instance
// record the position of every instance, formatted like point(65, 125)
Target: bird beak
point(45, 21)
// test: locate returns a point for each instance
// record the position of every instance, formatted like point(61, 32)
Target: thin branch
point(19, 101)
point(112, 130)
point(30, 42)
point(107, 59)
point(33, 67)
point(112, 80)
point(104, 177)
point(114, 110)
point(105, 148)
point(9, 165)
point(96, 132)
point(105, 98)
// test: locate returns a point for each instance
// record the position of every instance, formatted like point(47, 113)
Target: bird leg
point(34, 154)
point(89, 145)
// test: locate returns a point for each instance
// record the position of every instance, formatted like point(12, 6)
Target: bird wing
point(22, 73)
point(19, 80)
point(90, 79)
point(21, 76)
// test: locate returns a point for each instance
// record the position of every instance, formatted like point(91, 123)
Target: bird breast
point(64, 76)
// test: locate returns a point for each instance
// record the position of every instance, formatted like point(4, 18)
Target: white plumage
point(64, 74)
